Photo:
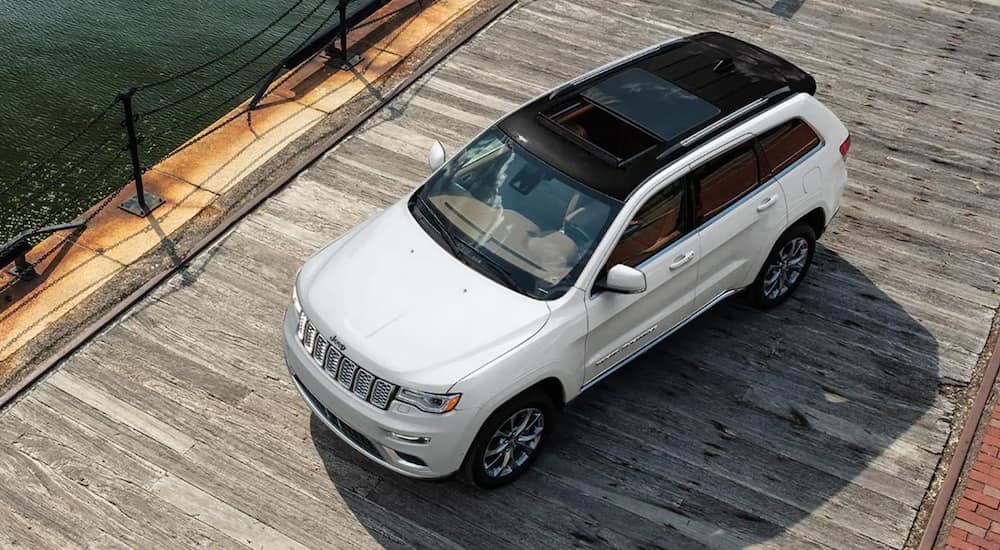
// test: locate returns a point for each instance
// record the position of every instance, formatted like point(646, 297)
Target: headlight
point(429, 402)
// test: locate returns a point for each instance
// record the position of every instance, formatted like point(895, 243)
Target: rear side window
point(786, 144)
point(659, 222)
point(724, 180)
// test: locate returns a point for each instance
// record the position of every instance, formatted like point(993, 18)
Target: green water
point(63, 62)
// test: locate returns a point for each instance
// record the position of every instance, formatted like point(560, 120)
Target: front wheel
point(785, 267)
point(510, 440)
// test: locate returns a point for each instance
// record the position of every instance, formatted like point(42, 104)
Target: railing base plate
point(350, 63)
point(132, 206)
point(25, 274)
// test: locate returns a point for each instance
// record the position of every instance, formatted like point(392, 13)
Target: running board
point(658, 339)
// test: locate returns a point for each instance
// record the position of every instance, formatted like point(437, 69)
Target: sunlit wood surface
point(817, 424)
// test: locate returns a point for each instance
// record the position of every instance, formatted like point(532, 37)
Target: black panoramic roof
point(613, 130)
point(643, 98)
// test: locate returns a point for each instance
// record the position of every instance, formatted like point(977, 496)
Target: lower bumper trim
point(343, 429)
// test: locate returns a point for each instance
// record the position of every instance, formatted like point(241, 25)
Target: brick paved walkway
point(977, 520)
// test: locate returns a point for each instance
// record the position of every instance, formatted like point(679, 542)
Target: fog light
point(418, 439)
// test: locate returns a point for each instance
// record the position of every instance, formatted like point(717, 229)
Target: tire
point(521, 457)
point(785, 260)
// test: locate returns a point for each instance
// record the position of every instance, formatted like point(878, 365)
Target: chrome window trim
point(761, 186)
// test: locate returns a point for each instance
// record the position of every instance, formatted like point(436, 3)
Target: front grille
point(363, 383)
point(382, 393)
point(347, 370)
point(310, 338)
point(319, 349)
point(332, 361)
point(343, 369)
point(355, 436)
point(301, 327)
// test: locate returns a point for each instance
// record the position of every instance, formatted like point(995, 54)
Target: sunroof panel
point(648, 101)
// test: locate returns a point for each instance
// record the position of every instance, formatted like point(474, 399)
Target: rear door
point(785, 150)
point(659, 242)
point(736, 216)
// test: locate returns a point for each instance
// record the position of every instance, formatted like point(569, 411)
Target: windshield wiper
point(497, 268)
point(431, 215)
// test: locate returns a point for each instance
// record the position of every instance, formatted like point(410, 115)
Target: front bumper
point(367, 428)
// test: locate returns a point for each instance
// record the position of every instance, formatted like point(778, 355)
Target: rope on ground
point(232, 73)
point(224, 55)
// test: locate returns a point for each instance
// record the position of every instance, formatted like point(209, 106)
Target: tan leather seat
point(553, 251)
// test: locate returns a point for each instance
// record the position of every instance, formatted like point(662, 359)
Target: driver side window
point(661, 221)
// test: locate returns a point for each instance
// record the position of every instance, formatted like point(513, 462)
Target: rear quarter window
point(786, 144)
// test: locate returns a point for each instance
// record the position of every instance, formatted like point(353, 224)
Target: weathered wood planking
point(818, 424)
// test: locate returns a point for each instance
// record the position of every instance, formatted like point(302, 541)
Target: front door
point(658, 241)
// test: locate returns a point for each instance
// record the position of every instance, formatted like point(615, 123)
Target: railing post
point(142, 203)
point(346, 63)
point(23, 270)
point(342, 8)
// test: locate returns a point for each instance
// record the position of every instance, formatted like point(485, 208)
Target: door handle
point(680, 262)
point(767, 203)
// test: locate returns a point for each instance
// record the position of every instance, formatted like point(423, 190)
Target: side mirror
point(624, 279)
point(436, 156)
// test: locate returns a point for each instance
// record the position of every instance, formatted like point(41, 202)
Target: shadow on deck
point(729, 433)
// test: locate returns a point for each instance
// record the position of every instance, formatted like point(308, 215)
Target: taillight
point(846, 146)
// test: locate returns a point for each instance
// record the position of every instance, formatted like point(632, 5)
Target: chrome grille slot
point(319, 350)
point(310, 337)
point(300, 329)
point(342, 368)
point(347, 368)
point(332, 361)
point(363, 383)
point(382, 393)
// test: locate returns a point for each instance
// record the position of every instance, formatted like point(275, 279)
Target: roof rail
point(656, 48)
point(727, 120)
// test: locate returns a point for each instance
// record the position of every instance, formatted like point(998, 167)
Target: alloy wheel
point(514, 442)
point(786, 269)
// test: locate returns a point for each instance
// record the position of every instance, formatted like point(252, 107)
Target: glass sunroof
point(648, 101)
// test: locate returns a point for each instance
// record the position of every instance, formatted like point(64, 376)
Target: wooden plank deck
point(818, 424)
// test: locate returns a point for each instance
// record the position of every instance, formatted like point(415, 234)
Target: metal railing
point(92, 157)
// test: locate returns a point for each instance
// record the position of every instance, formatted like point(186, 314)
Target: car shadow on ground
point(732, 432)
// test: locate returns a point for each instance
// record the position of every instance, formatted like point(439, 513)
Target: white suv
point(444, 334)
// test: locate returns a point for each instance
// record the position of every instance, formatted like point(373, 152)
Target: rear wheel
point(785, 267)
point(510, 440)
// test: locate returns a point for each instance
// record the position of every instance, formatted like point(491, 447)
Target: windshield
point(514, 218)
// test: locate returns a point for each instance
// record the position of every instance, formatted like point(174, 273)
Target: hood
point(407, 310)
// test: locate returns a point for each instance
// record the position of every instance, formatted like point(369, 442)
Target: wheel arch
point(816, 219)
point(553, 387)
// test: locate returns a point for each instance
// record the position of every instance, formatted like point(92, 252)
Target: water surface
point(63, 62)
